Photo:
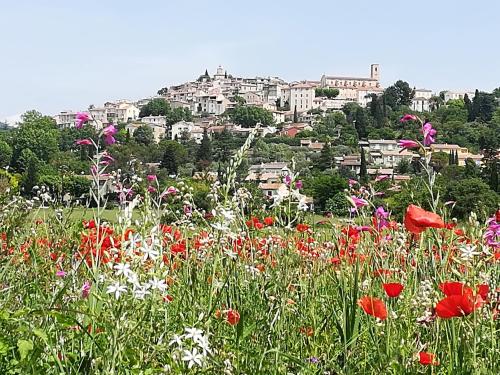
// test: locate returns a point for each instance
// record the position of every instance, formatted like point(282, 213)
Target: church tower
point(375, 72)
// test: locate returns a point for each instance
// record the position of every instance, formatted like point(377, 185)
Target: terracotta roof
point(271, 186)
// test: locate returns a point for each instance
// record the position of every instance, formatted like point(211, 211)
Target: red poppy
point(483, 290)
point(233, 317)
point(268, 221)
point(454, 288)
point(302, 227)
point(393, 289)
point(417, 219)
point(428, 359)
point(457, 306)
point(373, 306)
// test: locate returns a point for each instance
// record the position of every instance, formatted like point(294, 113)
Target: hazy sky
point(57, 55)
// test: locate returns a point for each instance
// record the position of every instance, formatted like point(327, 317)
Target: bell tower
point(375, 72)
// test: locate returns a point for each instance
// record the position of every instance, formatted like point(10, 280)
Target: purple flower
point(60, 273)
point(492, 234)
point(108, 132)
point(359, 202)
point(288, 180)
point(352, 182)
point(428, 133)
point(80, 119)
point(86, 289)
point(382, 216)
point(83, 142)
point(406, 143)
point(408, 117)
point(298, 184)
point(382, 177)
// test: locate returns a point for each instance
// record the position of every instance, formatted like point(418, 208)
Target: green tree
point(5, 154)
point(326, 92)
point(249, 116)
point(363, 173)
point(361, 123)
point(37, 133)
point(472, 195)
point(468, 107)
point(295, 115)
point(399, 94)
point(144, 135)
point(174, 154)
point(338, 205)
point(325, 160)
point(324, 187)
point(204, 154)
point(156, 107)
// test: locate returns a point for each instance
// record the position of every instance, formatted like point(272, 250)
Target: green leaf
point(24, 347)
point(4, 348)
point(40, 333)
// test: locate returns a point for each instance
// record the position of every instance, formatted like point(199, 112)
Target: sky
point(65, 55)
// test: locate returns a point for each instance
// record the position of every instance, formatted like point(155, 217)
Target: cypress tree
point(456, 157)
point(325, 157)
point(295, 115)
point(476, 106)
point(468, 107)
point(451, 158)
point(494, 176)
point(169, 161)
point(204, 154)
point(363, 173)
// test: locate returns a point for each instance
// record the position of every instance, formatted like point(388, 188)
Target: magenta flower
point(80, 119)
point(83, 142)
point(352, 182)
point(381, 177)
point(298, 184)
point(288, 180)
point(408, 117)
point(492, 234)
point(60, 273)
point(151, 177)
point(382, 216)
point(428, 133)
point(151, 189)
point(406, 143)
point(86, 289)
point(109, 132)
point(359, 202)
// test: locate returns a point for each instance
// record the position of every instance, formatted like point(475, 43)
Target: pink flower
point(298, 184)
point(382, 177)
point(83, 142)
point(428, 133)
point(80, 119)
point(288, 180)
point(406, 143)
point(170, 191)
point(86, 289)
point(408, 117)
point(359, 202)
point(60, 273)
point(109, 132)
point(151, 189)
point(352, 182)
point(151, 177)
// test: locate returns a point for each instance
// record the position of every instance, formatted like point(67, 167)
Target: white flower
point(193, 358)
point(142, 291)
point(158, 284)
point(122, 269)
point(193, 333)
point(468, 251)
point(132, 278)
point(117, 289)
point(150, 251)
point(203, 343)
point(220, 227)
point(176, 340)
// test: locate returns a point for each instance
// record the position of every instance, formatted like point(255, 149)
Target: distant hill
point(4, 126)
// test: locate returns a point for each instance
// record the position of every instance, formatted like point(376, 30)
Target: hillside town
point(296, 108)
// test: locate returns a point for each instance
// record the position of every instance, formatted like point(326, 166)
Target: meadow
point(167, 288)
